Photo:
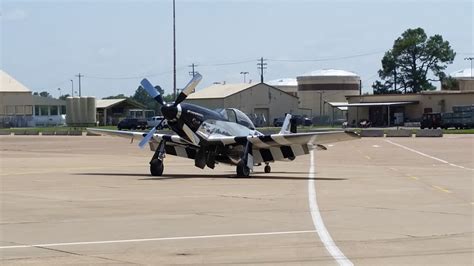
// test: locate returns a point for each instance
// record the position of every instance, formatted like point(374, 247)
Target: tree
point(43, 94)
point(412, 58)
point(118, 96)
point(142, 97)
point(450, 83)
point(64, 96)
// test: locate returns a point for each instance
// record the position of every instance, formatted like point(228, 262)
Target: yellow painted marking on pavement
point(414, 177)
point(441, 189)
point(368, 157)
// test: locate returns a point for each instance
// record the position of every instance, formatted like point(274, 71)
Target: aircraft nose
point(169, 112)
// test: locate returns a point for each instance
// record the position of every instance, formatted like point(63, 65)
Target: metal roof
point(106, 103)
point(372, 104)
point(219, 91)
point(463, 73)
point(9, 84)
point(330, 72)
point(283, 82)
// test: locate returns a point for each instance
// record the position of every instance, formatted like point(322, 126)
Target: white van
point(155, 120)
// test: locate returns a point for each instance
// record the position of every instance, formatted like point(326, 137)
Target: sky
point(114, 44)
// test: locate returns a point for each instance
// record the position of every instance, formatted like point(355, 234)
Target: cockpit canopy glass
point(236, 116)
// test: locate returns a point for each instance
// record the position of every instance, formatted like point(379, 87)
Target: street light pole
point(244, 73)
point(174, 50)
point(470, 59)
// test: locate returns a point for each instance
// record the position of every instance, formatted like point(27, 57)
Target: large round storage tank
point(69, 110)
point(83, 114)
point(76, 110)
point(328, 79)
point(319, 87)
point(91, 110)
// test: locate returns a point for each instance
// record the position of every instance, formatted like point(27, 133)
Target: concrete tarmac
point(91, 200)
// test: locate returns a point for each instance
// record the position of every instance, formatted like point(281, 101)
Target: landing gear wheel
point(242, 170)
point(267, 169)
point(156, 167)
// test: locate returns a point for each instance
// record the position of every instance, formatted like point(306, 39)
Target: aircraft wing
point(133, 135)
point(278, 147)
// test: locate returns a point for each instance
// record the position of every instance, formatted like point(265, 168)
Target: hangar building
point(261, 102)
point(111, 111)
point(19, 108)
point(397, 109)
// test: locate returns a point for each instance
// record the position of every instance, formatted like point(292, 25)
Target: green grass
point(458, 131)
point(49, 129)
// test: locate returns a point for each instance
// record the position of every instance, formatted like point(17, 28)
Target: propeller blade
point(149, 135)
point(147, 138)
point(152, 91)
point(188, 89)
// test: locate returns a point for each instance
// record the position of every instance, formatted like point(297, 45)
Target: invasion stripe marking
point(258, 142)
point(297, 149)
point(181, 152)
point(266, 155)
point(277, 154)
point(287, 152)
point(280, 139)
point(257, 156)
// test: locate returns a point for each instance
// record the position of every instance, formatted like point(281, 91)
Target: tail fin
point(285, 128)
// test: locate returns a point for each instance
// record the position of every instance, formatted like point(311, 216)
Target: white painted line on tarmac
point(429, 156)
point(323, 233)
point(156, 239)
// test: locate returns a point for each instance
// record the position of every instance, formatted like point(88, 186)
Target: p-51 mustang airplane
point(220, 136)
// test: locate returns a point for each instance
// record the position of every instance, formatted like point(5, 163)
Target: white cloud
point(14, 15)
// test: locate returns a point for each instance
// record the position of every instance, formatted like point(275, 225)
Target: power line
point(325, 59)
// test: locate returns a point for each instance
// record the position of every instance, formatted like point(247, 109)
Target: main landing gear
point(156, 163)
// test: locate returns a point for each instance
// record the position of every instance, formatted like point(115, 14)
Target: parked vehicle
point(278, 122)
point(132, 123)
point(155, 120)
point(431, 121)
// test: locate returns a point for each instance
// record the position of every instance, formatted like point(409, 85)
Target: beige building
point(261, 102)
point(111, 111)
point(19, 108)
point(396, 109)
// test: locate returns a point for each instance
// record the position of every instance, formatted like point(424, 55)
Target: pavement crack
point(85, 255)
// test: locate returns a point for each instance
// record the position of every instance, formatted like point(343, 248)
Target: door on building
point(260, 117)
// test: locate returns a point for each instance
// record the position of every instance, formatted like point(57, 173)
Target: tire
point(242, 170)
point(267, 169)
point(156, 167)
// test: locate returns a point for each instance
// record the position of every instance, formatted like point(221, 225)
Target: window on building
point(63, 109)
point(20, 109)
point(10, 110)
point(53, 110)
point(43, 110)
point(28, 109)
point(37, 110)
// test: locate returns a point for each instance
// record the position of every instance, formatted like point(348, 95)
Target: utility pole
point(80, 76)
point(174, 50)
point(261, 66)
point(244, 73)
point(470, 59)
point(72, 88)
point(192, 72)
